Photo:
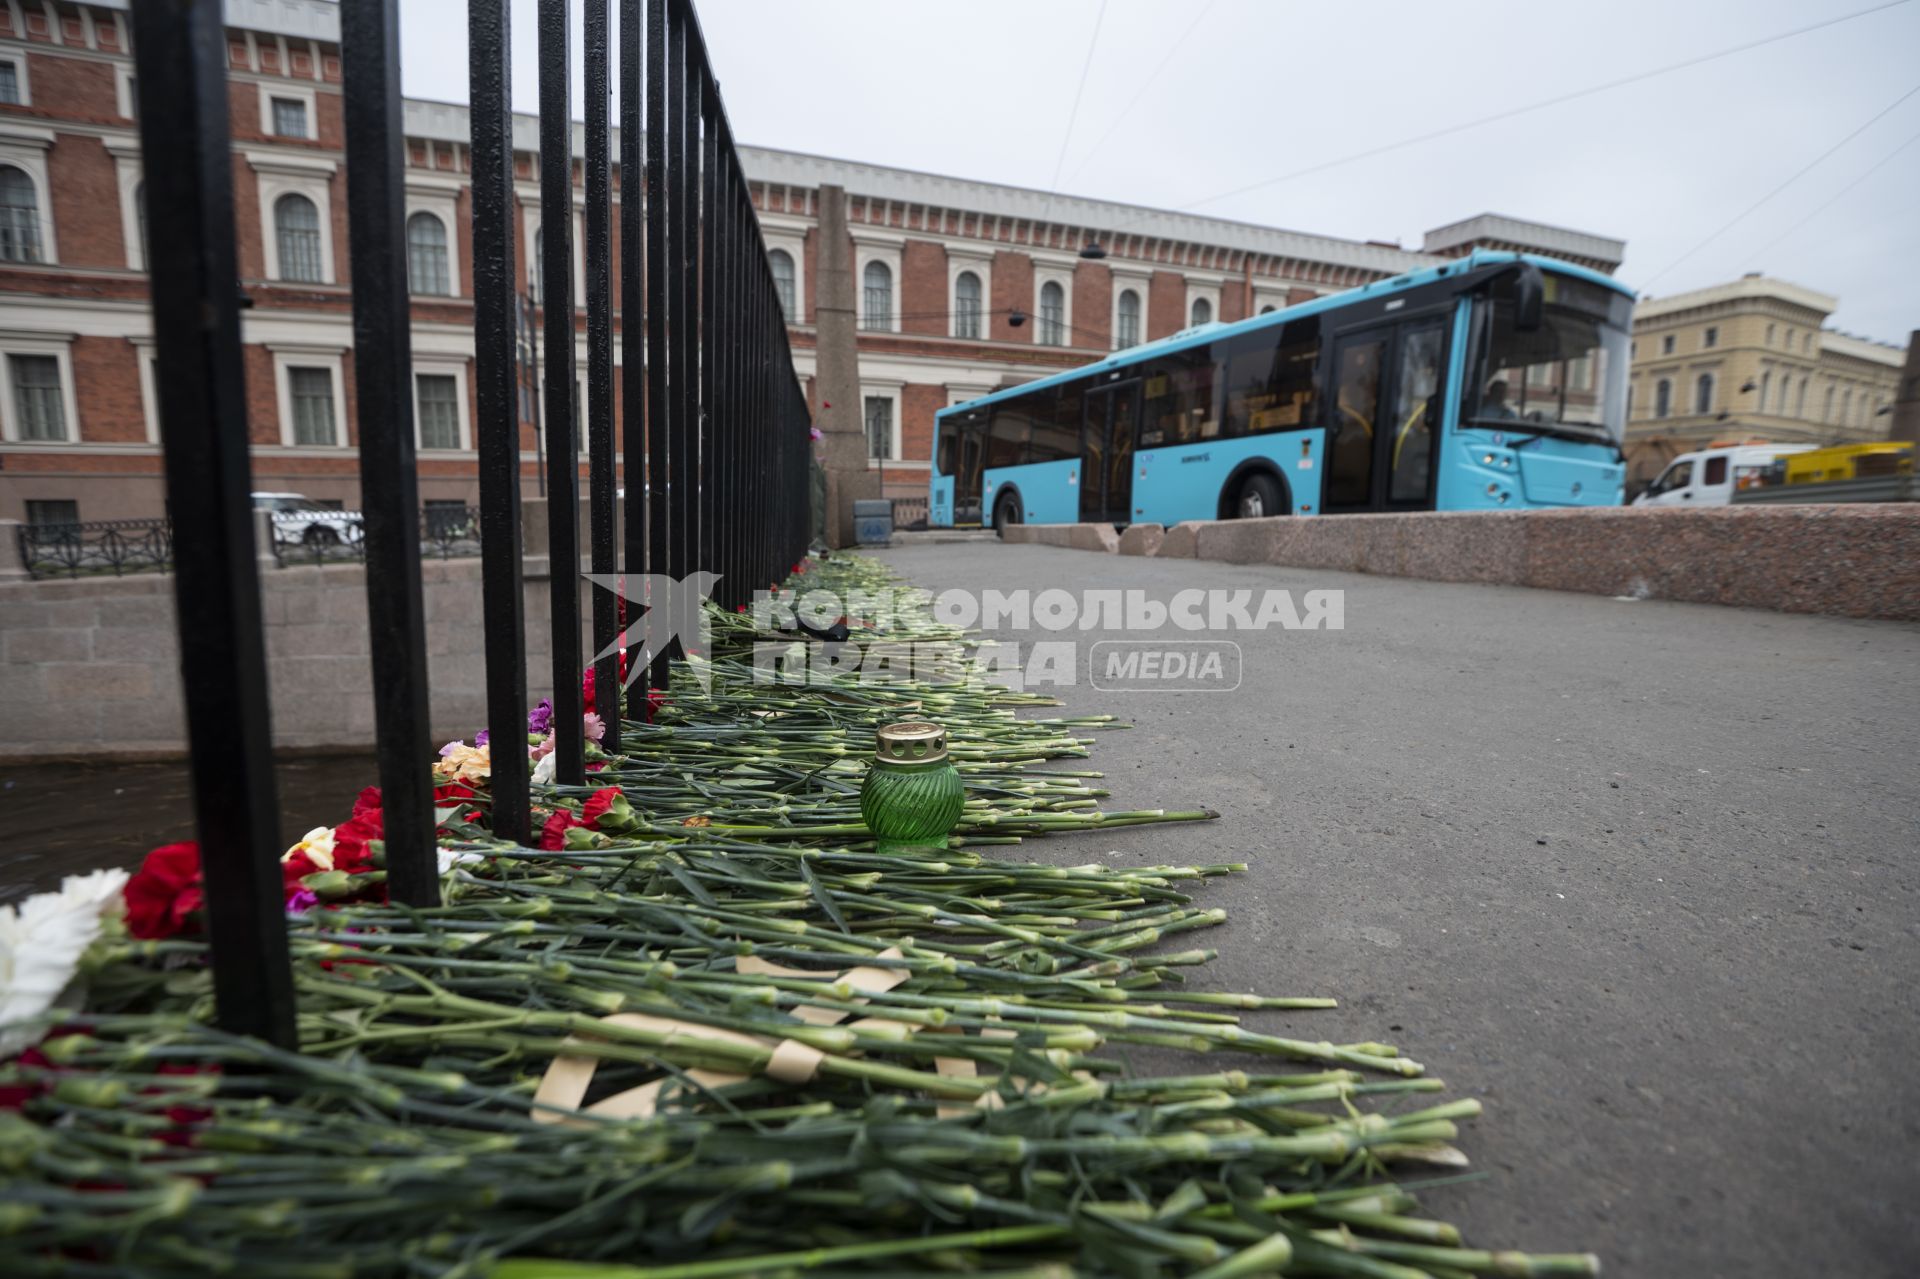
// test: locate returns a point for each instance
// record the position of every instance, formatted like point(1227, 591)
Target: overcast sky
point(1186, 100)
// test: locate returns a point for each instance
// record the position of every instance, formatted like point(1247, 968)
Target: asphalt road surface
point(1640, 876)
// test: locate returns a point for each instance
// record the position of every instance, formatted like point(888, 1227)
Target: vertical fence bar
point(658, 556)
point(727, 243)
point(562, 396)
point(389, 484)
point(180, 53)
point(686, 466)
point(767, 444)
point(497, 382)
point(599, 264)
point(679, 318)
point(737, 394)
point(633, 377)
point(709, 295)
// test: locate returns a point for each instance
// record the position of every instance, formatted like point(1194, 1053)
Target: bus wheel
point(1259, 496)
point(1006, 511)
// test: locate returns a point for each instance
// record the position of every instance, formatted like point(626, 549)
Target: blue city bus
point(1495, 382)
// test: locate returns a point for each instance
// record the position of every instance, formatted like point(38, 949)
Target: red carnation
point(553, 835)
point(586, 682)
point(597, 805)
point(367, 800)
point(165, 891)
point(451, 793)
point(352, 840)
point(293, 870)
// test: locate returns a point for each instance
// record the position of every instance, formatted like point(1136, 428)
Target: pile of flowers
point(804, 1055)
point(334, 865)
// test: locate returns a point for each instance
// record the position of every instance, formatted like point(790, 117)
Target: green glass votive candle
point(912, 794)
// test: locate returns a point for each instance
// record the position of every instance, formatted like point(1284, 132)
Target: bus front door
point(968, 479)
point(1109, 420)
point(1387, 385)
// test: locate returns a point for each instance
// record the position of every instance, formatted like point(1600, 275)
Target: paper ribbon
point(569, 1076)
point(565, 1084)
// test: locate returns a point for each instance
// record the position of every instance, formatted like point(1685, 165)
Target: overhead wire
point(1074, 115)
point(1510, 113)
point(1146, 84)
point(1802, 172)
point(1837, 196)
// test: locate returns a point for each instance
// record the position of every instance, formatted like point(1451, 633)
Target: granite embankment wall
point(90, 667)
point(1849, 561)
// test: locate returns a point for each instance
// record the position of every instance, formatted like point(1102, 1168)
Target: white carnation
point(41, 942)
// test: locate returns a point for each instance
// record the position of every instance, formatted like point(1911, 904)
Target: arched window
point(19, 217)
point(296, 226)
point(427, 255)
point(1703, 394)
point(1662, 398)
point(966, 305)
point(1766, 384)
point(1202, 312)
point(1846, 407)
point(1827, 414)
point(1800, 400)
point(1053, 314)
point(1127, 328)
point(533, 270)
point(780, 262)
point(877, 314)
point(1267, 309)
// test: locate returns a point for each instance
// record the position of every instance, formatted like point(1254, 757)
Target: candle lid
point(911, 742)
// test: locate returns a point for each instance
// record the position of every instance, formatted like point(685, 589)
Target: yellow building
point(1750, 360)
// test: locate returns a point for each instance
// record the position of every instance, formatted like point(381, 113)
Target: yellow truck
point(1849, 462)
point(1878, 472)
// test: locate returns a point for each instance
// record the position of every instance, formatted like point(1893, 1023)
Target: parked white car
point(1709, 477)
point(298, 518)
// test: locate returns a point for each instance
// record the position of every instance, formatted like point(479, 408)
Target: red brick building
point(964, 286)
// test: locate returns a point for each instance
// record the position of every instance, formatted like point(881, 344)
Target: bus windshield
point(1566, 378)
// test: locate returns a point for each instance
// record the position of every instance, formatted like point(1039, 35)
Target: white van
point(1710, 476)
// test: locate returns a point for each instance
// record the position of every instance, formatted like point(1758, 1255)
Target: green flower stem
point(804, 1259)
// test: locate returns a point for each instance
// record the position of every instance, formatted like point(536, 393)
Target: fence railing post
point(683, 168)
point(562, 395)
point(633, 348)
point(180, 59)
point(599, 264)
point(389, 484)
point(658, 555)
point(497, 409)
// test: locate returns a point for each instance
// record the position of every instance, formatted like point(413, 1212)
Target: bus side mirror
point(1529, 296)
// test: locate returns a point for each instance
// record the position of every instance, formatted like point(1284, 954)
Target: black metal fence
point(96, 548)
point(115, 548)
point(713, 422)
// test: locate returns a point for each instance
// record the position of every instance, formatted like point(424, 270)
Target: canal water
point(59, 819)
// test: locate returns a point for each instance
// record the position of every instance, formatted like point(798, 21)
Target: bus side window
point(1178, 394)
point(1008, 430)
point(943, 457)
point(1056, 425)
point(1269, 378)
